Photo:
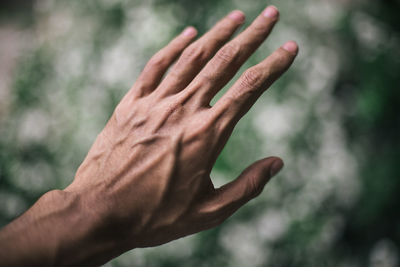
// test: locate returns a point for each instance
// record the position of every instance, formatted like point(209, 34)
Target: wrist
point(85, 236)
point(35, 237)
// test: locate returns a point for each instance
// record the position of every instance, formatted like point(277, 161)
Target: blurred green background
point(334, 118)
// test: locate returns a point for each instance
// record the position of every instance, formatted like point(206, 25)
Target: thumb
point(230, 197)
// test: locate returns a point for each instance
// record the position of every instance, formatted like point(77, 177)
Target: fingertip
point(237, 16)
point(271, 12)
point(189, 31)
point(291, 47)
point(276, 166)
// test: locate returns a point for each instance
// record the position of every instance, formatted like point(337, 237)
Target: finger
point(230, 197)
point(197, 54)
point(162, 60)
point(253, 82)
point(227, 61)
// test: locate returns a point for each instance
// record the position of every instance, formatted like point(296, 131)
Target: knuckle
point(224, 29)
point(194, 53)
point(231, 100)
point(228, 53)
point(278, 65)
point(251, 79)
point(157, 61)
point(282, 58)
point(253, 189)
point(203, 128)
point(218, 216)
point(207, 79)
point(213, 220)
point(269, 72)
point(261, 28)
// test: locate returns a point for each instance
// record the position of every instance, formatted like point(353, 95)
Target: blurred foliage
point(369, 89)
point(334, 118)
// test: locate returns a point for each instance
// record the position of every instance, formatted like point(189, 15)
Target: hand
point(148, 172)
point(146, 179)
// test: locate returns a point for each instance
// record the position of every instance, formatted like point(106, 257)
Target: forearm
point(59, 230)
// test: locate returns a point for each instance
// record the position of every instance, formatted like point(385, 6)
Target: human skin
point(146, 179)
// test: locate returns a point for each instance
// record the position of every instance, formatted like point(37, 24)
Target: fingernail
point(271, 12)
point(291, 47)
point(277, 165)
point(189, 31)
point(237, 15)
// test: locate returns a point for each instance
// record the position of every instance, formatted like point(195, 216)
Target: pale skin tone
point(146, 179)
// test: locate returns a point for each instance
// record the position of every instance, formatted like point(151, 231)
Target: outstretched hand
point(146, 179)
